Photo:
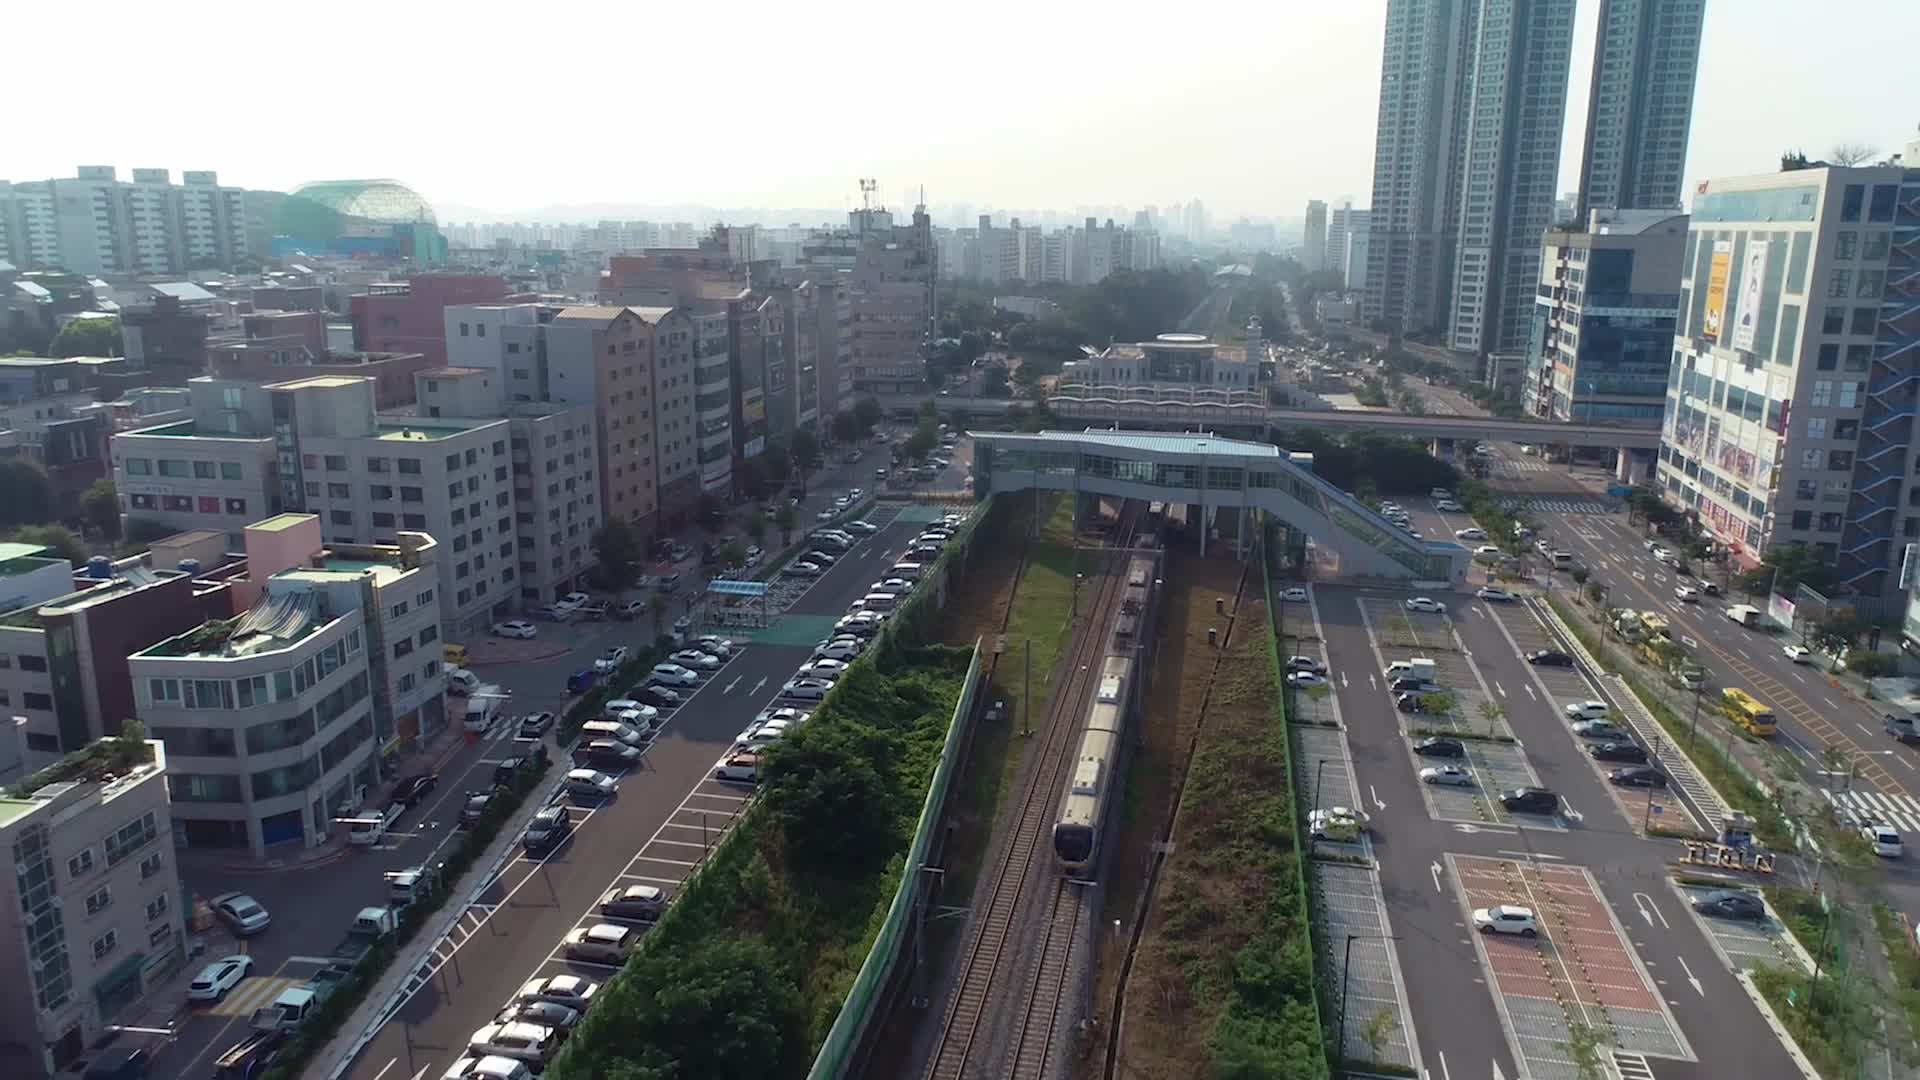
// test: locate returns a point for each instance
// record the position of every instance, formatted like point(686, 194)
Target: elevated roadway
point(1142, 407)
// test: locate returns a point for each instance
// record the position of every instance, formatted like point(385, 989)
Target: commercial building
point(1466, 152)
point(1602, 337)
point(64, 646)
point(1313, 250)
point(891, 314)
point(1640, 104)
point(97, 223)
point(91, 919)
point(216, 471)
point(1190, 361)
point(409, 316)
point(613, 358)
point(1790, 408)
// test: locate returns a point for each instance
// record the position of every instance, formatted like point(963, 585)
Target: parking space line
point(654, 880)
point(669, 862)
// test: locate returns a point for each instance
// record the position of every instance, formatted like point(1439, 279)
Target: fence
point(850, 1027)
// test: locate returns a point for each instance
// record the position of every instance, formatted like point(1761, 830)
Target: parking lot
point(1579, 969)
point(1351, 904)
point(1745, 943)
point(1496, 767)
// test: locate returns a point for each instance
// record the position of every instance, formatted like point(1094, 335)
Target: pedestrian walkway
point(1557, 506)
point(256, 992)
point(1864, 807)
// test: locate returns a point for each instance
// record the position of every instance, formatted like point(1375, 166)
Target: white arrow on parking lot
point(728, 689)
point(758, 685)
point(1436, 876)
point(1372, 683)
point(1649, 910)
point(1568, 810)
point(1529, 691)
point(1343, 680)
point(1697, 988)
point(1502, 689)
point(1378, 802)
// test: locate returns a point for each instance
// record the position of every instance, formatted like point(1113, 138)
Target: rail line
point(980, 970)
point(1038, 1022)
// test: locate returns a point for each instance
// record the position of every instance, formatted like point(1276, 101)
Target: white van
point(879, 601)
point(909, 570)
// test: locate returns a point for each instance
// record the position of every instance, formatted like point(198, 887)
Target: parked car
point(1730, 904)
point(1530, 800)
point(1306, 663)
point(862, 528)
point(1447, 506)
point(546, 830)
point(1449, 775)
point(1599, 729)
point(695, 659)
point(1409, 702)
point(605, 943)
point(217, 978)
point(573, 991)
point(1295, 594)
point(607, 754)
point(801, 568)
point(411, 789)
point(1427, 604)
point(612, 660)
point(742, 766)
point(1436, 746)
point(1506, 919)
point(589, 782)
point(1631, 753)
point(673, 675)
point(644, 902)
point(533, 725)
point(583, 681)
point(657, 697)
point(1643, 776)
point(1588, 710)
point(830, 670)
point(806, 689)
point(820, 557)
point(630, 610)
point(515, 628)
point(1409, 684)
point(242, 914)
point(474, 807)
point(845, 648)
point(1471, 533)
point(1500, 596)
point(714, 645)
point(1550, 658)
point(545, 1014)
point(1884, 839)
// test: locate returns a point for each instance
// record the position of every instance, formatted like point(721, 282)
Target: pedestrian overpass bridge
point(1217, 475)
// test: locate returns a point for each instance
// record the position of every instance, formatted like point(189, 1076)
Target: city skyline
point(1263, 157)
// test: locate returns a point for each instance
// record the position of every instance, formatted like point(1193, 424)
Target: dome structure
point(384, 201)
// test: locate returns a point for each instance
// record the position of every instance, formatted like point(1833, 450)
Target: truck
point(251, 1056)
point(406, 886)
point(1745, 614)
point(296, 1005)
point(1420, 667)
point(372, 924)
point(483, 708)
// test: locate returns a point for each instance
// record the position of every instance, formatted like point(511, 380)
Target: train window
point(1073, 843)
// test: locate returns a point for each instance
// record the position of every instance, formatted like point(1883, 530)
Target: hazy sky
point(1252, 107)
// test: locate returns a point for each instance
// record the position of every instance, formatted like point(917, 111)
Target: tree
point(993, 383)
point(1437, 703)
point(733, 555)
point(826, 798)
point(1850, 153)
point(1580, 575)
point(59, 541)
point(751, 477)
point(1785, 569)
point(785, 519)
point(1836, 632)
point(26, 495)
point(621, 555)
point(757, 529)
point(101, 507)
point(805, 449)
point(1583, 1046)
point(845, 427)
point(1793, 161)
point(779, 465)
point(867, 413)
point(921, 442)
point(1492, 712)
point(88, 337)
point(23, 336)
point(1378, 1029)
point(1597, 592)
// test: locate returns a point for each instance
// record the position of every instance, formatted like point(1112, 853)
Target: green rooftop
point(13, 808)
point(280, 522)
point(416, 431)
point(187, 429)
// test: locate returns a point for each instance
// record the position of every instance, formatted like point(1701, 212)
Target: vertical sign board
point(1716, 312)
point(1746, 316)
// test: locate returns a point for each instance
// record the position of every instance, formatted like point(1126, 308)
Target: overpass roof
point(1198, 445)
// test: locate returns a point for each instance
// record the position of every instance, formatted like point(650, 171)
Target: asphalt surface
point(1462, 1028)
point(652, 831)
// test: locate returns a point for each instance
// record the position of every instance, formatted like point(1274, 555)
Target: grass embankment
point(1770, 824)
point(747, 970)
point(1896, 937)
point(1223, 984)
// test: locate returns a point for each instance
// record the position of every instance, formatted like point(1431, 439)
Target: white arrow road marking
point(1529, 689)
point(1372, 683)
point(728, 689)
point(1343, 680)
point(1567, 809)
point(1697, 988)
point(1501, 689)
point(1378, 803)
point(1436, 876)
point(758, 685)
point(1649, 910)
point(1497, 1074)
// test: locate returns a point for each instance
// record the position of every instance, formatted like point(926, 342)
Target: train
point(1092, 779)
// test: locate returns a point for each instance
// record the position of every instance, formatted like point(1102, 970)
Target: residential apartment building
point(91, 919)
point(1646, 58)
point(891, 314)
point(607, 357)
point(267, 718)
point(217, 471)
point(64, 647)
point(1791, 398)
point(1347, 244)
point(1603, 325)
point(1466, 152)
point(97, 223)
point(997, 251)
point(1313, 248)
point(409, 316)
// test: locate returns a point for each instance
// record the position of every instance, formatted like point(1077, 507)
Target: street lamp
point(1346, 973)
point(1319, 767)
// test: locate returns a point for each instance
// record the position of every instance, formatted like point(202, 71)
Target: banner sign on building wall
point(1746, 317)
point(1717, 290)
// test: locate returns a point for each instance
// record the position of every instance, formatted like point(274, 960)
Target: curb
point(1779, 1029)
point(519, 659)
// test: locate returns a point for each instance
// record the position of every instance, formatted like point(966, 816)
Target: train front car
point(1076, 833)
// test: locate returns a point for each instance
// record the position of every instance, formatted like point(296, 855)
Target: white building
point(96, 223)
point(1640, 106)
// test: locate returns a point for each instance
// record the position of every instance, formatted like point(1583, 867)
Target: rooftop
point(187, 429)
point(322, 382)
point(274, 623)
point(103, 761)
point(1196, 445)
point(280, 522)
point(440, 427)
point(101, 591)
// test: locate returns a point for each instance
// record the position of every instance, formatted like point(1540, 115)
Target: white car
point(696, 658)
point(1306, 663)
point(572, 991)
point(838, 649)
point(862, 528)
point(573, 600)
point(1447, 506)
point(1473, 532)
point(612, 660)
point(743, 767)
point(590, 782)
point(1884, 840)
point(820, 558)
point(1294, 594)
point(1588, 710)
point(1661, 554)
point(828, 514)
point(759, 734)
point(530, 1043)
point(1506, 919)
point(1599, 729)
point(854, 493)
point(1686, 594)
point(1306, 678)
point(605, 943)
point(1485, 549)
point(790, 715)
point(515, 628)
point(1799, 654)
point(829, 670)
point(1428, 604)
point(806, 689)
point(1488, 592)
point(715, 645)
point(1449, 775)
point(802, 568)
point(217, 978)
point(673, 675)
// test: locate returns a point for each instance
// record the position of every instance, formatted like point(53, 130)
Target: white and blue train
point(1093, 779)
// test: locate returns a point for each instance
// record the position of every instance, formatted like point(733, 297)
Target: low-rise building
point(91, 919)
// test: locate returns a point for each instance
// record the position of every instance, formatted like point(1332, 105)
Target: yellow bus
point(1743, 709)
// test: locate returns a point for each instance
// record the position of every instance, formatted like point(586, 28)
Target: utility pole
point(1646, 819)
point(1026, 707)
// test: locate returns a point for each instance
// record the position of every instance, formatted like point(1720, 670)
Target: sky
point(1254, 108)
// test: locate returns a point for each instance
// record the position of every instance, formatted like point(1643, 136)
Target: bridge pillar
point(1086, 509)
point(1443, 449)
point(1633, 466)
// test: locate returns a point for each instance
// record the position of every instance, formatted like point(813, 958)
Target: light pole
point(1646, 819)
point(1346, 972)
point(1319, 766)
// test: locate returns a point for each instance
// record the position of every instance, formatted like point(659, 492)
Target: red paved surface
point(1579, 955)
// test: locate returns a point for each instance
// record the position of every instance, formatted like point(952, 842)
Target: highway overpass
point(1141, 408)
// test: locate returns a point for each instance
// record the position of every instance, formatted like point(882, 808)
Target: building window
point(170, 467)
point(41, 702)
point(382, 520)
point(139, 467)
point(413, 521)
point(99, 900)
point(104, 945)
point(157, 908)
point(1844, 243)
point(1841, 284)
point(410, 466)
point(336, 463)
point(341, 517)
point(1803, 519)
point(423, 599)
point(412, 495)
point(403, 647)
point(151, 865)
point(1834, 320)
point(203, 470)
point(131, 837)
point(30, 662)
point(81, 864)
point(1817, 427)
point(1829, 358)
point(429, 635)
point(339, 491)
point(1840, 460)
point(376, 464)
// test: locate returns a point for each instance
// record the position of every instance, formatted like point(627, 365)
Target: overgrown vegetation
point(1369, 463)
point(1896, 937)
point(1832, 1020)
point(95, 761)
point(747, 971)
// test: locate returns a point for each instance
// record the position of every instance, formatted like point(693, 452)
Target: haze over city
point(1252, 108)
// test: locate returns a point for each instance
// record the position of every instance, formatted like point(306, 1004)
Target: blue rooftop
point(734, 587)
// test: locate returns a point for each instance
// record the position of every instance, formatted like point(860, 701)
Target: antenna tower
point(867, 188)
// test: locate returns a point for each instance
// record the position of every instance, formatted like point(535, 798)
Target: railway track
point(982, 968)
point(1040, 1019)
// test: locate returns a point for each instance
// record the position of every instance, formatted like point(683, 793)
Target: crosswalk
point(1557, 506)
point(1632, 1066)
point(1862, 807)
point(254, 992)
point(1513, 467)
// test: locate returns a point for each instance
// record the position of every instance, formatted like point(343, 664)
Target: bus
point(1743, 709)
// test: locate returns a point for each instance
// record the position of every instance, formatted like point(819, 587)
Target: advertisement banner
point(1780, 610)
point(1716, 310)
point(1746, 316)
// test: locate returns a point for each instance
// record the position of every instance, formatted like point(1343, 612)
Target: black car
point(1550, 658)
point(1530, 800)
point(475, 807)
point(1437, 747)
point(1413, 686)
point(657, 696)
point(1631, 753)
point(120, 1063)
point(533, 725)
point(1731, 904)
point(1645, 776)
point(547, 829)
point(1409, 703)
point(410, 790)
